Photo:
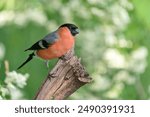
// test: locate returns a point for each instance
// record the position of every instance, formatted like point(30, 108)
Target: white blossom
point(114, 58)
point(123, 42)
point(137, 62)
point(124, 76)
point(16, 78)
point(22, 18)
point(14, 92)
point(4, 91)
point(115, 91)
point(120, 16)
point(13, 83)
point(99, 82)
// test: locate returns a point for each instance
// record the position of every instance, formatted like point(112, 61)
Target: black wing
point(45, 42)
point(42, 44)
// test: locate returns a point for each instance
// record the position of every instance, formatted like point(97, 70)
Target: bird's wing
point(51, 38)
point(45, 42)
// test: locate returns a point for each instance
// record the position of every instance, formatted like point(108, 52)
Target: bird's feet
point(52, 75)
point(47, 63)
point(63, 58)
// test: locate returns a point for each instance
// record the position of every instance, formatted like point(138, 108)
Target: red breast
point(59, 48)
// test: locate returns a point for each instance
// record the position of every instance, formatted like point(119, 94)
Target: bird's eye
point(73, 28)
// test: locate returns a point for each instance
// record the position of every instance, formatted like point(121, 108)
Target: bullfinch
point(55, 44)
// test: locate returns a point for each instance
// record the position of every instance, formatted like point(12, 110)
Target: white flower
point(120, 16)
point(109, 35)
point(95, 1)
point(36, 15)
point(137, 61)
point(114, 58)
point(4, 91)
point(115, 91)
point(6, 17)
point(124, 76)
point(21, 18)
point(98, 12)
point(16, 78)
point(99, 82)
point(14, 92)
point(123, 42)
point(126, 4)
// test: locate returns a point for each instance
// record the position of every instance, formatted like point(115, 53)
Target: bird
point(54, 45)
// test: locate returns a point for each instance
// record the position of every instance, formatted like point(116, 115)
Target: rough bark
point(66, 77)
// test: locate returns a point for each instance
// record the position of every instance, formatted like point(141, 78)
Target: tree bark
point(66, 77)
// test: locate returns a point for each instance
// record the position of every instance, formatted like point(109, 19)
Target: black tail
point(29, 59)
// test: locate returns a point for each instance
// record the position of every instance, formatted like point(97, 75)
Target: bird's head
point(72, 28)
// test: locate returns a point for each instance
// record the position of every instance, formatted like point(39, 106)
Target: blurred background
point(113, 44)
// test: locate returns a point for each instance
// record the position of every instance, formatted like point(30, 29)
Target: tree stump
point(66, 77)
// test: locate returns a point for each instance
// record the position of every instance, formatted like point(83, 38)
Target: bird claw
point(47, 63)
point(52, 75)
point(63, 58)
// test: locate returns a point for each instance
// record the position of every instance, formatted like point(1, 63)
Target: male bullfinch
point(55, 44)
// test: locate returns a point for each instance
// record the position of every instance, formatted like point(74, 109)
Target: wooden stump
point(66, 77)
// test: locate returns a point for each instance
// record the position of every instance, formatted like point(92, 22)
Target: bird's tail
point(29, 59)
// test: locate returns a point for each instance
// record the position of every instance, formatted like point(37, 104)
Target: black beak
point(77, 31)
point(74, 32)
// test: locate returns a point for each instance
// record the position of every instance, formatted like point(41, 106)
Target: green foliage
point(113, 43)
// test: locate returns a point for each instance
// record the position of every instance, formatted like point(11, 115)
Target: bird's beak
point(77, 31)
